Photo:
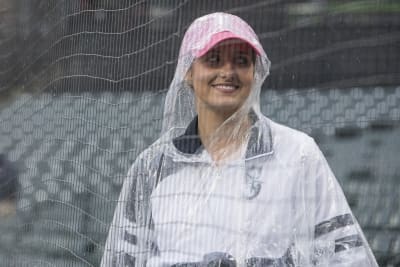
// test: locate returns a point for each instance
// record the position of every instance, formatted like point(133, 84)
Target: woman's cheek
point(203, 80)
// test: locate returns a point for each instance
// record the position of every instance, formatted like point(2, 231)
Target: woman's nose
point(227, 69)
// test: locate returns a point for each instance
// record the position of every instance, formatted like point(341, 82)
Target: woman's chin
point(225, 108)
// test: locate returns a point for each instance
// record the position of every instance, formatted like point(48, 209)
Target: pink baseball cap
point(222, 36)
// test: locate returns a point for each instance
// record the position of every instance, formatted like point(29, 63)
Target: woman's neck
point(216, 139)
point(208, 124)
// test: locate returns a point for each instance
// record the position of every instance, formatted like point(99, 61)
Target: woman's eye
point(213, 59)
point(242, 60)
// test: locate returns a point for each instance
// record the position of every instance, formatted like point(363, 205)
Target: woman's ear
point(189, 78)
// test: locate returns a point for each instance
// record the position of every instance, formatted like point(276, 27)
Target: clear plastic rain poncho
point(271, 199)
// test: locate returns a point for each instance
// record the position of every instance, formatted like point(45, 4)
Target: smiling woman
point(222, 78)
point(224, 185)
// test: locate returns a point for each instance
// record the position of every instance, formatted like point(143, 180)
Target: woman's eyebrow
point(215, 50)
point(244, 52)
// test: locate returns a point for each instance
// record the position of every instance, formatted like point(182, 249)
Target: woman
point(224, 185)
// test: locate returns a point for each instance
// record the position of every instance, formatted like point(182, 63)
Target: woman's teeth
point(226, 88)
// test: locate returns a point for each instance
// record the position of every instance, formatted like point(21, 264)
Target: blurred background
point(82, 84)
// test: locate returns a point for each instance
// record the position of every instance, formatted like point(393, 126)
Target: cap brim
point(219, 37)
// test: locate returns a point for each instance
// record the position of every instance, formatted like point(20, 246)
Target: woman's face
point(223, 77)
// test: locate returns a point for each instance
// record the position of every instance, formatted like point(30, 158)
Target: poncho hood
point(204, 33)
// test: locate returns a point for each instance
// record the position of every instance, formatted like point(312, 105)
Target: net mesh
point(82, 87)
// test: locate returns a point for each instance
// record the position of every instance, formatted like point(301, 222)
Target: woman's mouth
point(226, 88)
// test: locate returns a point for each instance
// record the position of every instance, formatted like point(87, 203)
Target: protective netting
point(82, 89)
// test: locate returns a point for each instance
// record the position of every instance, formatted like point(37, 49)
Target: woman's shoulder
point(279, 130)
point(151, 156)
point(290, 140)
